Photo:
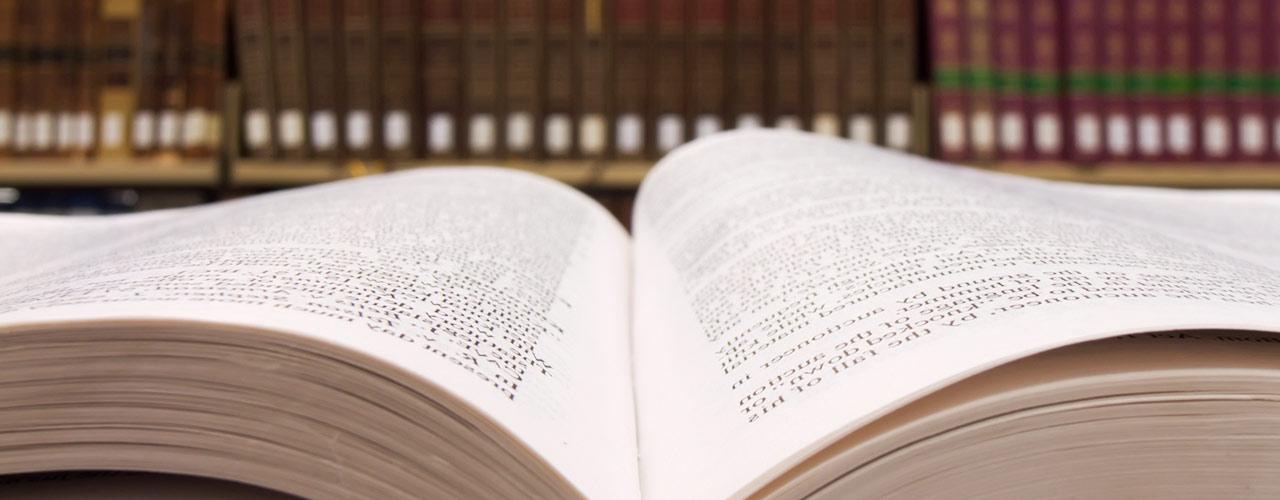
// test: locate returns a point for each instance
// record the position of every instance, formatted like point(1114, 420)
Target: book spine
point(1214, 60)
point(1177, 82)
point(825, 77)
point(66, 141)
point(8, 74)
point(1084, 65)
point(1043, 84)
point(523, 51)
point(1114, 81)
point(861, 101)
point(631, 78)
point(442, 78)
point(747, 60)
point(596, 67)
point(898, 72)
point(950, 103)
point(398, 47)
point(86, 109)
point(360, 74)
point(981, 85)
point(1146, 49)
point(667, 126)
point(709, 68)
point(560, 86)
point(147, 82)
point(482, 134)
point(1013, 134)
point(288, 56)
point(50, 91)
point(323, 72)
point(200, 122)
point(1253, 32)
point(787, 106)
point(174, 85)
point(253, 50)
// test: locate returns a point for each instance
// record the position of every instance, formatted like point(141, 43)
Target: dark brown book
point(1255, 29)
point(323, 82)
point(68, 79)
point(595, 122)
point(1114, 81)
point(174, 84)
point(253, 48)
point(51, 94)
point(1083, 51)
point(288, 65)
point(1146, 50)
point(560, 84)
point(522, 51)
point(442, 81)
point(84, 109)
point(897, 75)
point(1215, 59)
point(1043, 38)
point(1181, 122)
point(8, 74)
point(666, 126)
point(631, 78)
point(709, 69)
point(398, 48)
point(747, 60)
point(201, 125)
point(1013, 133)
point(26, 99)
point(149, 43)
point(361, 73)
point(979, 64)
point(786, 105)
point(484, 86)
point(950, 103)
point(861, 92)
point(825, 59)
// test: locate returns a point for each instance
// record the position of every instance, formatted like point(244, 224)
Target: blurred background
point(111, 106)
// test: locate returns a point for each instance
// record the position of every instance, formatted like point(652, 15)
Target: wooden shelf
point(23, 172)
point(1206, 176)
point(267, 174)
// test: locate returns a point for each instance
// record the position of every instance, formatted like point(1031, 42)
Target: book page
point(790, 288)
point(505, 289)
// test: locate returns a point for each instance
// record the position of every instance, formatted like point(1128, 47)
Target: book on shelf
point(860, 93)
point(897, 73)
point(793, 315)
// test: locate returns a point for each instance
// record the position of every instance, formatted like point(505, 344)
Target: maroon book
point(946, 26)
point(1012, 131)
point(1215, 59)
point(1145, 61)
point(1114, 82)
point(1253, 34)
point(1042, 38)
point(1084, 65)
point(1181, 120)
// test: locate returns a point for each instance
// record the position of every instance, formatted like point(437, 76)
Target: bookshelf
point(1177, 175)
point(58, 173)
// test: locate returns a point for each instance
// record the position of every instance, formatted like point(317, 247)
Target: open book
point(794, 315)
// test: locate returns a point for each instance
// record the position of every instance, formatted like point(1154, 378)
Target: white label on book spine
point(862, 128)
point(630, 134)
point(483, 132)
point(292, 129)
point(670, 132)
point(144, 127)
point(25, 131)
point(897, 131)
point(1118, 135)
point(66, 137)
point(519, 131)
point(706, 125)
point(1253, 135)
point(1088, 133)
point(170, 128)
point(84, 129)
point(257, 128)
point(591, 134)
point(45, 130)
point(558, 133)
point(324, 130)
point(951, 131)
point(194, 128)
point(395, 129)
point(748, 120)
point(1013, 132)
point(1217, 136)
point(440, 130)
point(6, 128)
point(789, 122)
point(113, 130)
point(1149, 142)
point(359, 130)
point(827, 124)
point(1181, 135)
point(983, 130)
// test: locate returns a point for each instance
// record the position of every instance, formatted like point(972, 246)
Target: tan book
point(911, 329)
point(114, 63)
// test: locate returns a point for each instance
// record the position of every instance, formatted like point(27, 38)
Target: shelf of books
point(1180, 175)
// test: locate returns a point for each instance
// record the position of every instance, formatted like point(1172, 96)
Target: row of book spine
point(111, 78)
point(1106, 80)
point(542, 79)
